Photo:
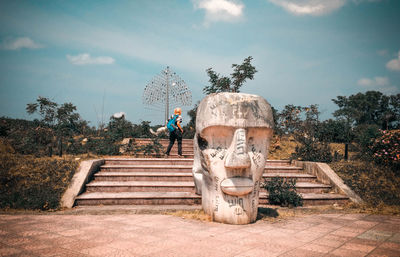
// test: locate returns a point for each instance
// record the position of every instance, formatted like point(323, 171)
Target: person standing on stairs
point(175, 131)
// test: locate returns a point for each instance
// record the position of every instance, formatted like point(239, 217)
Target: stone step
point(140, 186)
point(313, 198)
point(179, 186)
point(138, 198)
point(148, 168)
point(300, 177)
point(188, 145)
point(143, 176)
point(174, 149)
point(179, 176)
point(187, 161)
point(278, 162)
point(163, 142)
point(185, 198)
point(148, 161)
point(184, 140)
point(282, 169)
point(310, 187)
point(163, 156)
point(175, 152)
point(180, 166)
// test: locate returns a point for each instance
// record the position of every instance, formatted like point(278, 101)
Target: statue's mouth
point(237, 186)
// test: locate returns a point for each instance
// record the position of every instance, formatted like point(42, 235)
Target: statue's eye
point(202, 142)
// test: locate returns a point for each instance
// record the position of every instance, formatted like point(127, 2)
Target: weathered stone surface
point(79, 180)
point(326, 175)
point(125, 144)
point(233, 132)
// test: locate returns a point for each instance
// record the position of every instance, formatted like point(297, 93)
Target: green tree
point(372, 107)
point(289, 119)
point(304, 125)
point(62, 118)
point(142, 130)
point(362, 110)
point(190, 129)
point(241, 72)
point(333, 131)
point(119, 128)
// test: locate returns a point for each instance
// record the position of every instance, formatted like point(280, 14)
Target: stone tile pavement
point(165, 235)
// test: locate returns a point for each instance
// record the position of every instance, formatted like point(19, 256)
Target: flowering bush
point(386, 149)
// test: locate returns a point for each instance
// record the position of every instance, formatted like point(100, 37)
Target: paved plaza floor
point(123, 234)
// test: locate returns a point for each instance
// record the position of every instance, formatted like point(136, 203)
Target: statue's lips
point(237, 186)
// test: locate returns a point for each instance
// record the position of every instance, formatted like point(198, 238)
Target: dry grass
point(28, 182)
point(377, 186)
point(190, 214)
point(272, 214)
point(281, 148)
point(380, 209)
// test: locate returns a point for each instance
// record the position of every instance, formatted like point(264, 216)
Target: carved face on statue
point(233, 132)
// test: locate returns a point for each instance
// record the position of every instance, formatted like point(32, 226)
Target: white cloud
point(85, 58)
point(220, 10)
point(370, 1)
point(392, 90)
point(119, 115)
point(314, 7)
point(18, 43)
point(394, 64)
point(309, 7)
point(374, 82)
point(381, 84)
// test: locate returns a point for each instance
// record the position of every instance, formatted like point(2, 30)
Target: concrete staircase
point(168, 181)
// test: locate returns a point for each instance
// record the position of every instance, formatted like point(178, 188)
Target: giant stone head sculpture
point(233, 132)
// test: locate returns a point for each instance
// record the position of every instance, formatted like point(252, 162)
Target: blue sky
point(306, 51)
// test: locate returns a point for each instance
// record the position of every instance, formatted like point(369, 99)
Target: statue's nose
point(237, 156)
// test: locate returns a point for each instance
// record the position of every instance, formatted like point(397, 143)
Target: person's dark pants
point(175, 135)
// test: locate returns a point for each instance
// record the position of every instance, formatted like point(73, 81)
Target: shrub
point(33, 183)
point(385, 149)
point(75, 146)
point(365, 136)
point(102, 146)
point(313, 151)
point(283, 192)
point(153, 148)
point(37, 141)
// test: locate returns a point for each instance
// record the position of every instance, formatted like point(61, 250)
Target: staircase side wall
point(79, 180)
point(326, 175)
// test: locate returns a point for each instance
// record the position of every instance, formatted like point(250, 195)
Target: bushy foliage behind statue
point(304, 125)
point(371, 107)
point(364, 114)
point(190, 129)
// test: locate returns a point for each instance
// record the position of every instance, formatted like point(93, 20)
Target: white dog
point(159, 131)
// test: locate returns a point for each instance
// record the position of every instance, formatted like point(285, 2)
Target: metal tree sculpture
point(167, 90)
